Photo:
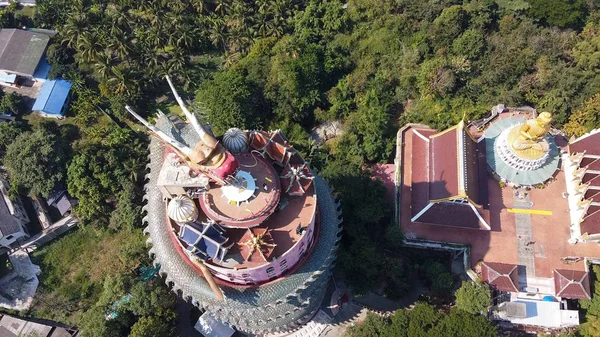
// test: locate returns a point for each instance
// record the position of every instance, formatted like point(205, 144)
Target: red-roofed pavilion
point(502, 276)
point(572, 284)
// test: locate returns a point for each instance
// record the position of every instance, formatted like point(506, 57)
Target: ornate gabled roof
point(277, 306)
point(454, 167)
point(455, 181)
point(502, 276)
point(583, 167)
point(573, 284)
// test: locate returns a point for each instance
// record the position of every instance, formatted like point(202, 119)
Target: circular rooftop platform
point(497, 160)
point(251, 202)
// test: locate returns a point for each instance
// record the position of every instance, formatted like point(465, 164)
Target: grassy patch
point(75, 268)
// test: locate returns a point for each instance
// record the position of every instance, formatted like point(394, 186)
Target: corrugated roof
point(52, 97)
point(21, 51)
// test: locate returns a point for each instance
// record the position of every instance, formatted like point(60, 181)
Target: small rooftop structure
point(205, 240)
point(546, 314)
point(21, 51)
point(61, 200)
point(53, 99)
point(502, 276)
point(12, 218)
point(208, 326)
point(572, 284)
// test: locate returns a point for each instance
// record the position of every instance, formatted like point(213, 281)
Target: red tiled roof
point(420, 175)
point(590, 163)
point(504, 277)
point(591, 221)
point(590, 144)
point(572, 284)
point(453, 214)
point(443, 165)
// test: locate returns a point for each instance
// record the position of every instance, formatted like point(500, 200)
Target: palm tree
point(89, 47)
point(73, 29)
point(122, 81)
point(104, 64)
point(217, 32)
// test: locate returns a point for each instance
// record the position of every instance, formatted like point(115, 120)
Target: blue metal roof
point(52, 97)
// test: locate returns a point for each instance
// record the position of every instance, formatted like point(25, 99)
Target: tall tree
point(36, 162)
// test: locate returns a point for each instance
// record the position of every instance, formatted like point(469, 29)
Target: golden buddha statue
point(528, 141)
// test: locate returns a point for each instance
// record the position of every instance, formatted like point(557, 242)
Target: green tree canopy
point(424, 321)
point(8, 133)
point(561, 13)
point(99, 171)
point(473, 297)
point(151, 326)
point(36, 162)
point(232, 100)
point(585, 118)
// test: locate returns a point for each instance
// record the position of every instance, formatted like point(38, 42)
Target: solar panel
point(205, 240)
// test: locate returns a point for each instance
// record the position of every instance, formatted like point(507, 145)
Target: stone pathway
point(54, 231)
point(525, 243)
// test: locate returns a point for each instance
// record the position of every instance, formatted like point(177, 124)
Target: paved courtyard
point(536, 242)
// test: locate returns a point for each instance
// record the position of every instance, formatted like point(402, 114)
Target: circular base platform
point(242, 190)
point(246, 207)
point(529, 174)
point(512, 158)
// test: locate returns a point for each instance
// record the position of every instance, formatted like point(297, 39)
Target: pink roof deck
point(550, 233)
point(256, 209)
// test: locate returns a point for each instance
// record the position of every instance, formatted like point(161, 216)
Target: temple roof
point(449, 178)
point(454, 161)
point(587, 148)
point(588, 143)
point(504, 277)
point(572, 284)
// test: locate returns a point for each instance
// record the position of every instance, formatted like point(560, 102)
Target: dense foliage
point(368, 65)
point(424, 321)
point(36, 160)
point(473, 297)
point(139, 309)
point(76, 267)
point(591, 325)
point(100, 171)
